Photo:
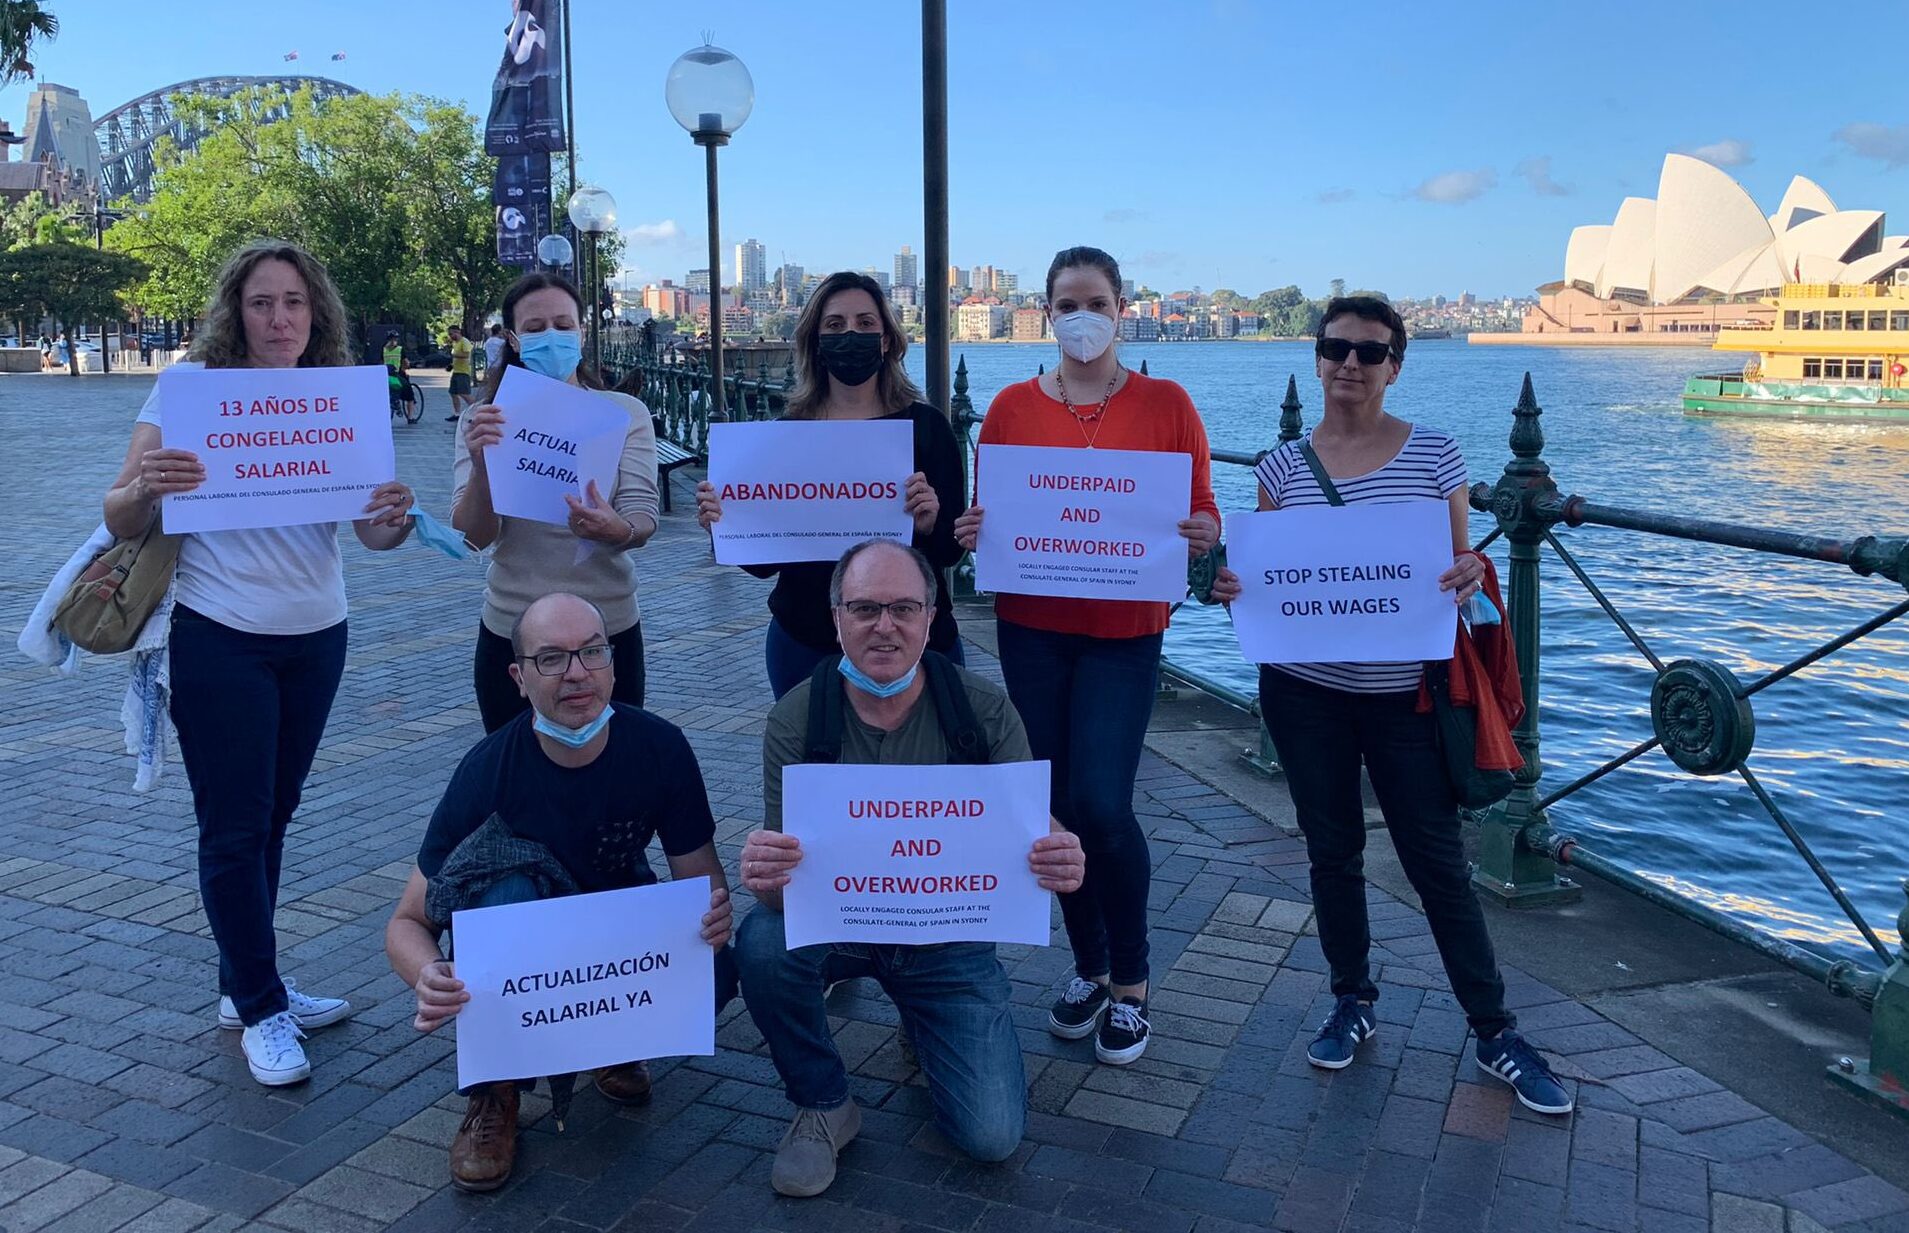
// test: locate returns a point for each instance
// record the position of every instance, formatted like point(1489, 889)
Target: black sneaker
point(1348, 1026)
point(1078, 1011)
point(1123, 1036)
point(1511, 1057)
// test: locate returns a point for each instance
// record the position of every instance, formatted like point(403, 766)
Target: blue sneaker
point(1511, 1057)
point(1350, 1025)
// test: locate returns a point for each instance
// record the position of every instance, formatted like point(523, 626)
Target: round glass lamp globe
point(554, 250)
point(709, 91)
point(592, 210)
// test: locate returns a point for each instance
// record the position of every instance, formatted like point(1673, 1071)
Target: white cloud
point(1123, 214)
point(1878, 141)
point(1537, 173)
point(665, 232)
point(1333, 196)
point(1726, 153)
point(1456, 187)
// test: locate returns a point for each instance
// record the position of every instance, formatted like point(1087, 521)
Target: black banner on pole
point(519, 227)
point(527, 97)
point(521, 178)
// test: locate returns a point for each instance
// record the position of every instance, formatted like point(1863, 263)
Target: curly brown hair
point(221, 343)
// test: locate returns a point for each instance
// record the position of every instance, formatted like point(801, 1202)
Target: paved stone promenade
point(123, 1106)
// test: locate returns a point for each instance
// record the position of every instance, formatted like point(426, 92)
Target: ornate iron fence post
point(1291, 427)
point(1884, 1075)
point(1527, 504)
point(962, 419)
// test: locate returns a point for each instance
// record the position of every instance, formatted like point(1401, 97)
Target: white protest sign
point(809, 490)
point(584, 981)
point(1346, 584)
point(915, 854)
point(282, 447)
point(557, 438)
point(1085, 524)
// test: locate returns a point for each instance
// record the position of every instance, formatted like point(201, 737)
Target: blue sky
point(1242, 143)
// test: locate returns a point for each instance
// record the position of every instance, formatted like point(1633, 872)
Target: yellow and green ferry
point(1833, 352)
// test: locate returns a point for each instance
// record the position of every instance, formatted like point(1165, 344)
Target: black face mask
point(851, 357)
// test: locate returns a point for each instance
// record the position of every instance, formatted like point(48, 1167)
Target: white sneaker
point(273, 1052)
point(309, 1011)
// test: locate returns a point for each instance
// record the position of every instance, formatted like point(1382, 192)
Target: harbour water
point(1832, 743)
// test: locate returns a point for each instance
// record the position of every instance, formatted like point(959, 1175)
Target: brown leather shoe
point(628, 1084)
point(486, 1144)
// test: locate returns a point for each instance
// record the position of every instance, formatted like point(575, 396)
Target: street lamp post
point(710, 94)
point(592, 212)
point(99, 216)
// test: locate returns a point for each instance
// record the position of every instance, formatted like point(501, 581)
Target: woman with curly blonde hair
point(257, 646)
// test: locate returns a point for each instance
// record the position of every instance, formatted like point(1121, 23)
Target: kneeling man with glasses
point(562, 800)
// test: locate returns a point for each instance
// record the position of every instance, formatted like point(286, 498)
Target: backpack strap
point(825, 712)
point(967, 743)
point(1319, 472)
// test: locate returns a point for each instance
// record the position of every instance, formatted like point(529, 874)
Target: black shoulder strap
point(967, 743)
point(825, 713)
point(1319, 473)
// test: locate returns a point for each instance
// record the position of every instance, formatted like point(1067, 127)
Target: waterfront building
point(907, 271)
point(698, 282)
point(1137, 328)
point(979, 322)
point(1006, 283)
point(666, 299)
point(904, 295)
point(751, 266)
point(1247, 323)
point(1030, 325)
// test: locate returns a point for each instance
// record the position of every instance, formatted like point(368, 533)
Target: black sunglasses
point(1335, 350)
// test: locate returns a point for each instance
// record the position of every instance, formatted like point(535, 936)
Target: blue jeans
point(953, 999)
point(1086, 702)
point(249, 710)
point(790, 661)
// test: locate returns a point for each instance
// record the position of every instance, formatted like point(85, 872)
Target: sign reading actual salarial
point(1346, 584)
point(557, 438)
point(915, 854)
point(1085, 524)
point(282, 447)
point(570, 984)
point(808, 490)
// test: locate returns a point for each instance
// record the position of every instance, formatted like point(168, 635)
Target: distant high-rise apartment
point(789, 285)
point(697, 282)
point(1006, 282)
point(880, 277)
point(751, 266)
point(907, 270)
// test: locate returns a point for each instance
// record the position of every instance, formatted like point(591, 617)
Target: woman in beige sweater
point(589, 555)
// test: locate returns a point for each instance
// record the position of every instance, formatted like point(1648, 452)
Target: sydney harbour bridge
point(128, 133)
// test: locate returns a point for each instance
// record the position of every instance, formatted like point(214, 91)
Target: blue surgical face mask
point(434, 534)
point(868, 685)
point(574, 738)
point(554, 353)
point(1479, 610)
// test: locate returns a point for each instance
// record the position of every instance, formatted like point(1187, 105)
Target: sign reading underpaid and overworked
point(1351, 584)
point(915, 854)
point(1086, 524)
point(557, 438)
point(282, 447)
point(809, 490)
point(584, 981)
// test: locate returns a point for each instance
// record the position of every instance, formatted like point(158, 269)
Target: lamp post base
point(1857, 1079)
point(1550, 893)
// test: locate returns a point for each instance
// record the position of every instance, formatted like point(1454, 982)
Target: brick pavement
point(123, 1107)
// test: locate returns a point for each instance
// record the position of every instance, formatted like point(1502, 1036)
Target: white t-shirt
point(278, 580)
point(493, 350)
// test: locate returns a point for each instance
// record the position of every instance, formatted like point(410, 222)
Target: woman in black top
point(848, 366)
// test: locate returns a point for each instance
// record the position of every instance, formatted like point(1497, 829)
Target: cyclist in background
point(400, 376)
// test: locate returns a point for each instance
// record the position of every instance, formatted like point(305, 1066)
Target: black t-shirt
point(800, 600)
point(596, 819)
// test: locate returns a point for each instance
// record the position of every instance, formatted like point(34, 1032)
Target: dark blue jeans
point(1322, 736)
point(789, 661)
point(249, 710)
point(1086, 702)
point(953, 999)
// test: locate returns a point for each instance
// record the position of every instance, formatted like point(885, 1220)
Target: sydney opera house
point(1700, 255)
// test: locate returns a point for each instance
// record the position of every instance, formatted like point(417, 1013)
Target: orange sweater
point(1146, 414)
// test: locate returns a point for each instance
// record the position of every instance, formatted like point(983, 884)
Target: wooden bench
point(669, 457)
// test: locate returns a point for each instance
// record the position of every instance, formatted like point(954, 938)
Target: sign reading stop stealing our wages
point(282, 447)
point(1083, 524)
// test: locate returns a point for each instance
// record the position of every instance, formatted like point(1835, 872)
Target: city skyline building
point(907, 270)
point(751, 265)
point(697, 281)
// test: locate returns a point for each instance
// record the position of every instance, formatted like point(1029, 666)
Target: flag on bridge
point(291, 55)
point(337, 55)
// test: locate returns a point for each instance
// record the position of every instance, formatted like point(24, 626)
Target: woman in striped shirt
point(1328, 718)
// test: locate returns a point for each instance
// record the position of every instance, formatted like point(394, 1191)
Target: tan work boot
point(805, 1160)
point(486, 1144)
point(626, 1084)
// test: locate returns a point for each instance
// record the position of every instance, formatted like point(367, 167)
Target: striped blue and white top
point(1427, 465)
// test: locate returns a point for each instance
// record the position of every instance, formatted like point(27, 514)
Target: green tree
point(1298, 321)
point(452, 218)
point(69, 282)
point(34, 220)
point(22, 24)
point(1228, 299)
point(1270, 304)
point(1376, 295)
point(1338, 287)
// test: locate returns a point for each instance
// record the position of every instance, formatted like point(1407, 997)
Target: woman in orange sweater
point(1083, 672)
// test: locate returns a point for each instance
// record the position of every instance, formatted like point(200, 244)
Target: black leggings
point(498, 699)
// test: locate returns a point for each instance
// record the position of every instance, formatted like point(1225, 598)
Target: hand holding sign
point(552, 439)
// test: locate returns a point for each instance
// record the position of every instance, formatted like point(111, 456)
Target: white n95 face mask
point(1084, 335)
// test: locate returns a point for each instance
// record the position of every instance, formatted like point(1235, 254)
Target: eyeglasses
point(1335, 351)
point(555, 663)
point(867, 611)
